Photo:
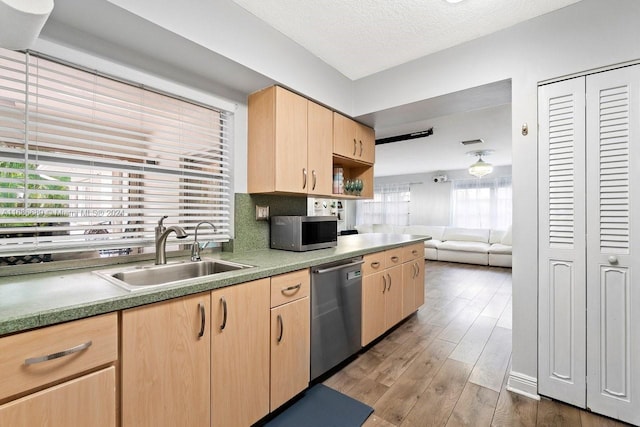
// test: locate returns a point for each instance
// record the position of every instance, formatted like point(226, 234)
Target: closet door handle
point(304, 178)
point(355, 146)
point(203, 320)
point(315, 179)
point(224, 313)
point(59, 354)
point(281, 328)
point(613, 260)
point(384, 284)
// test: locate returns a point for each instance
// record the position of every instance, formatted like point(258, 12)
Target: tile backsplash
point(251, 234)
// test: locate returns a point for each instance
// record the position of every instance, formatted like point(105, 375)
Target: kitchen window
point(89, 163)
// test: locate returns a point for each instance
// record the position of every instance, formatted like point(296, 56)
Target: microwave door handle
point(337, 267)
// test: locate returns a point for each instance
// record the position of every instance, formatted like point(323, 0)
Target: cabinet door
point(419, 284)
point(393, 296)
point(165, 363)
point(240, 354)
point(291, 143)
point(319, 153)
point(562, 290)
point(290, 350)
point(408, 288)
point(374, 288)
point(345, 141)
point(86, 401)
point(613, 245)
point(366, 143)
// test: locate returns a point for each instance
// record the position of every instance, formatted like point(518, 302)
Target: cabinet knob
point(613, 260)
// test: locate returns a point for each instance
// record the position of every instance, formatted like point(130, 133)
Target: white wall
point(586, 35)
point(430, 201)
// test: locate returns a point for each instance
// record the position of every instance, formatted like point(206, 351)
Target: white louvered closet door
point(562, 281)
point(613, 245)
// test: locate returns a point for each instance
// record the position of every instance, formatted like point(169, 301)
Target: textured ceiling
point(363, 37)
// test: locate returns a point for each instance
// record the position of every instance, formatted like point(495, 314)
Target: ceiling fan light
point(480, 168)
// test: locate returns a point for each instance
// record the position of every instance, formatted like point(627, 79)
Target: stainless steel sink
point(143, 277)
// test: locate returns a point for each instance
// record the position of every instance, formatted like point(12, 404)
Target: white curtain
point(481, 203)
point(390, 205)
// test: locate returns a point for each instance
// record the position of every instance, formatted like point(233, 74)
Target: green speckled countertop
point(41, 299)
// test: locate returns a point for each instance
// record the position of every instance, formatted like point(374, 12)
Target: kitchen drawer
point(411, 252)
point(393, 257)
point(289, 287)
point(373, 263)
point(22, 367)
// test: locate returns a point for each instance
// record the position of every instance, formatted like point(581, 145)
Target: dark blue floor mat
point(322, 406)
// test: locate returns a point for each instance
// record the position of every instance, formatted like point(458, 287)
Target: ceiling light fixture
point(480, 168)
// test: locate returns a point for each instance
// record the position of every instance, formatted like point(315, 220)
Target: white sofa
point(467, 245)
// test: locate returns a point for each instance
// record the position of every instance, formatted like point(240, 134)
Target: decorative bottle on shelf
point(337, 180)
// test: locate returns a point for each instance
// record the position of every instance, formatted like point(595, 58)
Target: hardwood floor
point(448, 364)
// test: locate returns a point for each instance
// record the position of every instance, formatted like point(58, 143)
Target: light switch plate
point(262, 213)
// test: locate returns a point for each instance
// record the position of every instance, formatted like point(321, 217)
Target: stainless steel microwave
point(303, 233)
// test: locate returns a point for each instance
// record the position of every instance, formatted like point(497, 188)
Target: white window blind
point(481, 203)
point(390, 205)
point(91, 163)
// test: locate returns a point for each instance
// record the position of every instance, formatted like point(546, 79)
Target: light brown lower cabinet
point(413, 286)
point(240, 354)
point(290, 336)
point(166, 363)
point(76, 352)
point(86, 401)
point(290, 350)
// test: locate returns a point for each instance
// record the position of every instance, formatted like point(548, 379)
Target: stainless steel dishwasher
point(336, 307)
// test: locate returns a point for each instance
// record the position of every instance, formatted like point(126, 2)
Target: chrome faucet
point(195, 248)
point(162, 233)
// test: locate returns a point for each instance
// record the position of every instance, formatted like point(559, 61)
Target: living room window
point(90, 163)
point(390, 205)
point(481, 203)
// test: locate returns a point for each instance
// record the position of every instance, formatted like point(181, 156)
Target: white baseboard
point(523, 384)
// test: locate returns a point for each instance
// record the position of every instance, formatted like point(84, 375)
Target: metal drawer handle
point(224, 313)
point(389, 276)
point(417, 270)
point(67, 352)
point(354, 146)
point(304, 177)
point(384, 284)
point(394, 258)
point(315, 179)
point(203, 320)
point(281, 326)
point(294, 288)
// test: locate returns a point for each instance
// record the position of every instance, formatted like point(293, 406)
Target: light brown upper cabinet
point(290, 140)
point(353, 140)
